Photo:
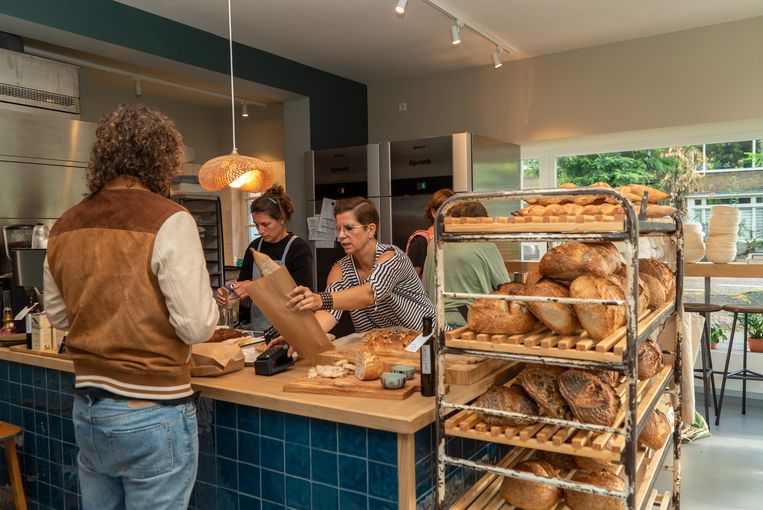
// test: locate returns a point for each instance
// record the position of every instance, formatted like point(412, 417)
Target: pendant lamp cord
point(232, 99)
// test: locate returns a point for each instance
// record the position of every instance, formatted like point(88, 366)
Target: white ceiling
point(364, 40)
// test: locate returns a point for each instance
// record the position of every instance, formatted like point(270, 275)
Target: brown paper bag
point(213, 359)
point(300, 329)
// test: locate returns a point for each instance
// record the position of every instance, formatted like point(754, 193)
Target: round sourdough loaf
point(583, 501)
point(649, 359)
point(532, 495)
point(558, 317)
point(502, 398)
point(591, 399)
point(655, 431)
point(570, 260)
point(598, 320)
point(499, 317)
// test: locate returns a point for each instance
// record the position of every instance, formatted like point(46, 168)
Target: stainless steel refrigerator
point(412, 170)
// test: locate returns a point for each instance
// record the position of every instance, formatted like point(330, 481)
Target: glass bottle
point(9, 328)
point(428, 371)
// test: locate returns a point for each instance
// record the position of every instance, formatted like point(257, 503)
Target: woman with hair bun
point(271, 213)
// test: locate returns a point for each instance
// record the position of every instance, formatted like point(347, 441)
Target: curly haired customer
point(125, 275)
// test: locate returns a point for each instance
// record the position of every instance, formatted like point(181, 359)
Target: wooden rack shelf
point(486, 493)
point(568, 440)
point(540, 224)
point(543, 342)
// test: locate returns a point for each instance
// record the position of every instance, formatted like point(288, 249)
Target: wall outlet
point(402, 107)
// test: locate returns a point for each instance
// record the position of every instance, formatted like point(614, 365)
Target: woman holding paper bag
point(270, 213)
point(375, 282)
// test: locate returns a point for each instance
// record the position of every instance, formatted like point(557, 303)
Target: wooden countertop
point(244, 387)
point(733, 270)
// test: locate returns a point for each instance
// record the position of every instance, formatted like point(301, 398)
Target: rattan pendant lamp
point(241, 172)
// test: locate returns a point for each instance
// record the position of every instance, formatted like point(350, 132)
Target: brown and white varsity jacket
point(125, 275)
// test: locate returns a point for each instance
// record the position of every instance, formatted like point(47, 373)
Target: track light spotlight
point(496, 56)
point(400, 8)
point(138, 89)
point(244, 111)
point(455, 37)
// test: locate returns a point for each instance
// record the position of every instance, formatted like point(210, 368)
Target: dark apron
point(257, 321)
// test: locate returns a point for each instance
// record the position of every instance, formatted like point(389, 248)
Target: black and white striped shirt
point(399, 296)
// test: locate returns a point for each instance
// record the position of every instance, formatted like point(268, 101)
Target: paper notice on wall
point(323, 237)
point(327, 209)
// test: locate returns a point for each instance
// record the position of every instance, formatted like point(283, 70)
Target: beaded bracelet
point(327, 300)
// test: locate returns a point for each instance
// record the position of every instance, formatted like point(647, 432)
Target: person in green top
point(469, 267)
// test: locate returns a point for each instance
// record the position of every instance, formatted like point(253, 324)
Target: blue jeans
point(135, 457)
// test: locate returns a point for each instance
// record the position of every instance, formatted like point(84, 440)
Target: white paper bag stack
point(694, 246)
point(722, 230)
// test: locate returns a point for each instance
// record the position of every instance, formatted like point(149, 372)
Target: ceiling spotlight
point(400, 8)
point(138, 89)
point(244, 111)
point(496, 56)
point(455, 38)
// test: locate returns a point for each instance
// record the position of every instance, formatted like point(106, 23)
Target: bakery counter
point(259, 446)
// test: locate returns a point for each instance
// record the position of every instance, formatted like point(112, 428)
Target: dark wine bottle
point(427, 360)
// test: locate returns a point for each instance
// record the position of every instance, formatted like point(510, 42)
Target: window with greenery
point(530, 173)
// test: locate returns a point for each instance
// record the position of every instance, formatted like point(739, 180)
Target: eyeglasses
point(348, 229)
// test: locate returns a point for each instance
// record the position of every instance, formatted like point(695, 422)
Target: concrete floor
point(724, 471)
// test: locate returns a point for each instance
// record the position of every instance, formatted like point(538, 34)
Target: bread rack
point(457, 419)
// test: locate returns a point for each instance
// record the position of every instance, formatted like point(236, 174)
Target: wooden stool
point(706, 372)
point(8, 433)
point(743, 374)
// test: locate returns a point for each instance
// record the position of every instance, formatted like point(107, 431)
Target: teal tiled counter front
point(249, 457)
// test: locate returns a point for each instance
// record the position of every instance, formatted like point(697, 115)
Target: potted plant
point(755, 332)
point(717, 335)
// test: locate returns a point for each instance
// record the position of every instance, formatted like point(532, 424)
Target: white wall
point(706, 75)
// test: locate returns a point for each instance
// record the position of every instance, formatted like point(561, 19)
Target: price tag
point(24, 311)
point(417, 342)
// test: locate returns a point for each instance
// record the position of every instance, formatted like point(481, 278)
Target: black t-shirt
point(299, 260)
point(417, 251)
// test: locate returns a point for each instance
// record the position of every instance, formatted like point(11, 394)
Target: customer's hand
point(280, 341)
point(302, 298)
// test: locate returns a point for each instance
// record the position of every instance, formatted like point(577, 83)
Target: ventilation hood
point(38, 82)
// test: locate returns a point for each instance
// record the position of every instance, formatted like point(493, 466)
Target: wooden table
point(708, 270)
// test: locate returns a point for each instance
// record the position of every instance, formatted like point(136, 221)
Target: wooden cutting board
point(458, 369)
point(349, 386)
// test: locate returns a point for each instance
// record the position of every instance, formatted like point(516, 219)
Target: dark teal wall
point(338, 106)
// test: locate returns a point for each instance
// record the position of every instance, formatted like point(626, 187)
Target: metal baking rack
point(617, 352)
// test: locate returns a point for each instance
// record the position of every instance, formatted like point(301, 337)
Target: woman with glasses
point(375, 282)
point(270, 214)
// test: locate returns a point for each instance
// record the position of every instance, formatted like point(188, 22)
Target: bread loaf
point(388, 341)
point(591, 399)
point(368, 367)
point(660, 271)
point(656, 431)
point(655, 195)
point(541, 383)
point(558, 317)
point(658, 294)
point(643, 290)
point(502, 398)
point(592, 464)
point(584, 501)
point(532, 495)
point(598, 320)
point(570, 260)
point(223, 334)
point(650, 359)
point(559, 461)
point(498, 317)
